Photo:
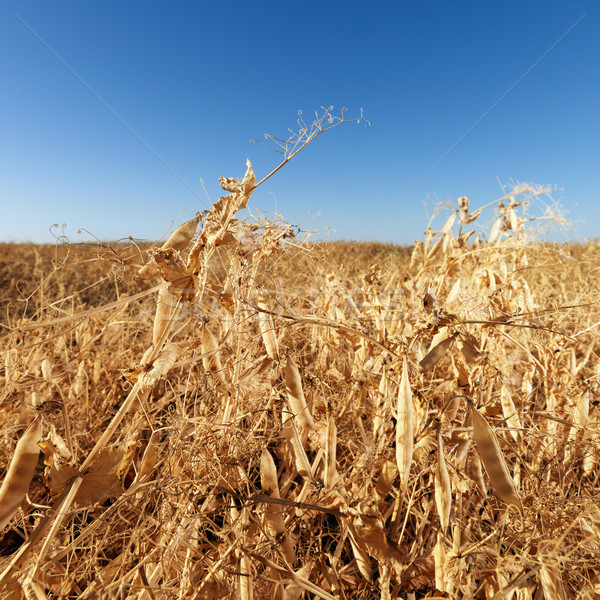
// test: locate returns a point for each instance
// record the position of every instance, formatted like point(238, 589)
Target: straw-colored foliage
point(239, 414)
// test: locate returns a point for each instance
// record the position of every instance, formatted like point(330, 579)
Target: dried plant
point(236, 413)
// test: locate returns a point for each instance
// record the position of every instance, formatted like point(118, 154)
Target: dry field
point(248, 416)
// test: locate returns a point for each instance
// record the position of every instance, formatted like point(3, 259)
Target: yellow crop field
point(237, 413)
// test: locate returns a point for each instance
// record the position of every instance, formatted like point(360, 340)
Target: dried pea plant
point(276, 419)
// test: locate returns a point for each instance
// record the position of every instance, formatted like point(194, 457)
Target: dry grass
point(262, 418)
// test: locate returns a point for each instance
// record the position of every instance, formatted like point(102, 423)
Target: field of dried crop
point(233, 413)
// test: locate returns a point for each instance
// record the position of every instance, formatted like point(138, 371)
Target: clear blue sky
point(198, 81)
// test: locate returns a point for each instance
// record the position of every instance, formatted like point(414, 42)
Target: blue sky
point(197, 81)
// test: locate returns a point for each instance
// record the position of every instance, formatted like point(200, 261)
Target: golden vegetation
point(236, 414)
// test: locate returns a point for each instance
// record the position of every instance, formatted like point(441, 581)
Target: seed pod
point(267, 331)
point(491, 455)
point(245, 579)
point(581, 414)
point(20, 472)
point(330, 453)
point(404, 426)
point(443, 489)
point(272, 512)
point(47, 369)
point(168, 309)
point(496, 231)
point(436, 353)
point(161, 365)
point(212, 363)
point(551, 581)
point(182, 236)
point(510, 414)
point(449, 223)
point(291, 434)
point(434, 249)
point(295, 394)
point(438, 555)
point(150, 457)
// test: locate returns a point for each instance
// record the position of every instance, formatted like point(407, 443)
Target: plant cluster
point(249, 416)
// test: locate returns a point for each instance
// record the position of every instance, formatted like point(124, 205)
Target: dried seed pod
point(443, 489)
point(47, 369)
point(168, 308)
point(212, 362)
point(404, 426)
point(386, 478)
point(434, 249)
point(581, 414)
point(161, 365)
point(267, 331)
point(491, 455)
point(330, 453)
point(151, 454)
point(183, 235)
point(245, 579)
point(291, 434)
point(510, 414)
point(496, 230)
point(436, 353)
point(273, 512)
point(439, 558)
point(20, 472)
point(295, 394)
point(551, 581)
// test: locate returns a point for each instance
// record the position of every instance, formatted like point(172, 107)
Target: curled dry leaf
point(178, 240)
point(491, 455)
point(363, 562)
point(370, 530)
point(58, 461)
point(218, 220)
point(182, 284)
point(20, 472)
point(469, 348)
point(387, 475)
